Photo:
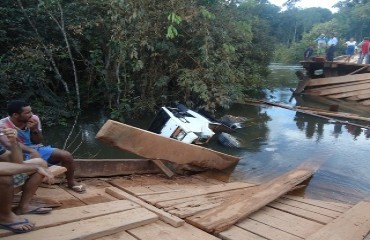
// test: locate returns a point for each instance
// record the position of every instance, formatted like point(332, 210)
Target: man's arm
point(14, 154)
point(8, 168)
point(35, 129)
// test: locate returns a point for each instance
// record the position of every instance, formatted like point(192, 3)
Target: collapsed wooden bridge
point(337, 80)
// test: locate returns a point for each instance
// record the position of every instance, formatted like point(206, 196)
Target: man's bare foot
point(17, 224)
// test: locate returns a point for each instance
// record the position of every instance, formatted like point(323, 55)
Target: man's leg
point(65, 158)
point(29, 189)
point(6, 199)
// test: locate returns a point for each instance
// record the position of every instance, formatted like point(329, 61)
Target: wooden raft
point(153, 146)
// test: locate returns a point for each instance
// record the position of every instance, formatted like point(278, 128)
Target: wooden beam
point(153, 146)
point(336, 114)
point(113, 167)
point(63, 216)
point(353, 224)
point(239, 207)
point(319, 88)
point(94, 227)
point(358, 70)
point(164, 216)
point(340, 79)
point(163, 168)
point(339, 89)
point(351, 94)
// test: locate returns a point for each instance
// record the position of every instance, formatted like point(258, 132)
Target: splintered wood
point(244, 203)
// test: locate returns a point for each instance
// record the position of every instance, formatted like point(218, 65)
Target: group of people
point(24, 164)
point(324, 46)
point(327, 46)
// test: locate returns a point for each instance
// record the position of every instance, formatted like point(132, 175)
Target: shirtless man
point(15, 173)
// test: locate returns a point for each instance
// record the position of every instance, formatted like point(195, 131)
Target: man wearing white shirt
point(332, 43)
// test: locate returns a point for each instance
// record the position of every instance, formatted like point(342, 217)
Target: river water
point(275, 140)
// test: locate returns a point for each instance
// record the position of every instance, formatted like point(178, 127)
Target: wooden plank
point(163, 168)
point(301, 212)
point(354, 225)
point(310, 207)
point(237, 233)
point(338, 89)
point(95, 192)
point(113, 167)
point(334, 114)
point(328, 87)
point(350, 94)
point(153, 146)
point(363, 96)
point(57, 170)
point(94, 227)
point(341, 208)
point(164, 216)
point(228, 213)
point(195, 192)
point(118, 236)
point(162, 231)
point(63, 216)
point(286, 222)
point(340, 79)
point(266, 231)
point(61, 195)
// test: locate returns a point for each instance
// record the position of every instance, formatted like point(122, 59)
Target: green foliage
point(133, 56)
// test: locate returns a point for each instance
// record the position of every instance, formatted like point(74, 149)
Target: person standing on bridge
point(332, 45)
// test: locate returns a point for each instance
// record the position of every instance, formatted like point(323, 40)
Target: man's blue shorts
point(44, 151)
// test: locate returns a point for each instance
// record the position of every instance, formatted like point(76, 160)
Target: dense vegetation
point(133, 56)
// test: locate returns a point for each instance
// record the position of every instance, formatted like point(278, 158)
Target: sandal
point(78, 188)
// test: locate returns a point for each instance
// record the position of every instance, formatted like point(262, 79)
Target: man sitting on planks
point(14, 172)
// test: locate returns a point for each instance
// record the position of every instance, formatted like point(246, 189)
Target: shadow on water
point(275, 140)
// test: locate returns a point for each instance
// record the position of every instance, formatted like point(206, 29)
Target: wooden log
point(113, 167)
point(222, 217)
point(340, 79)
point(63, 216)
point(94, 227)
point(353, 224)
point(164, 216)
point(153, 146)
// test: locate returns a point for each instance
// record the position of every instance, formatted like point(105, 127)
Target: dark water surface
point(275, 141)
